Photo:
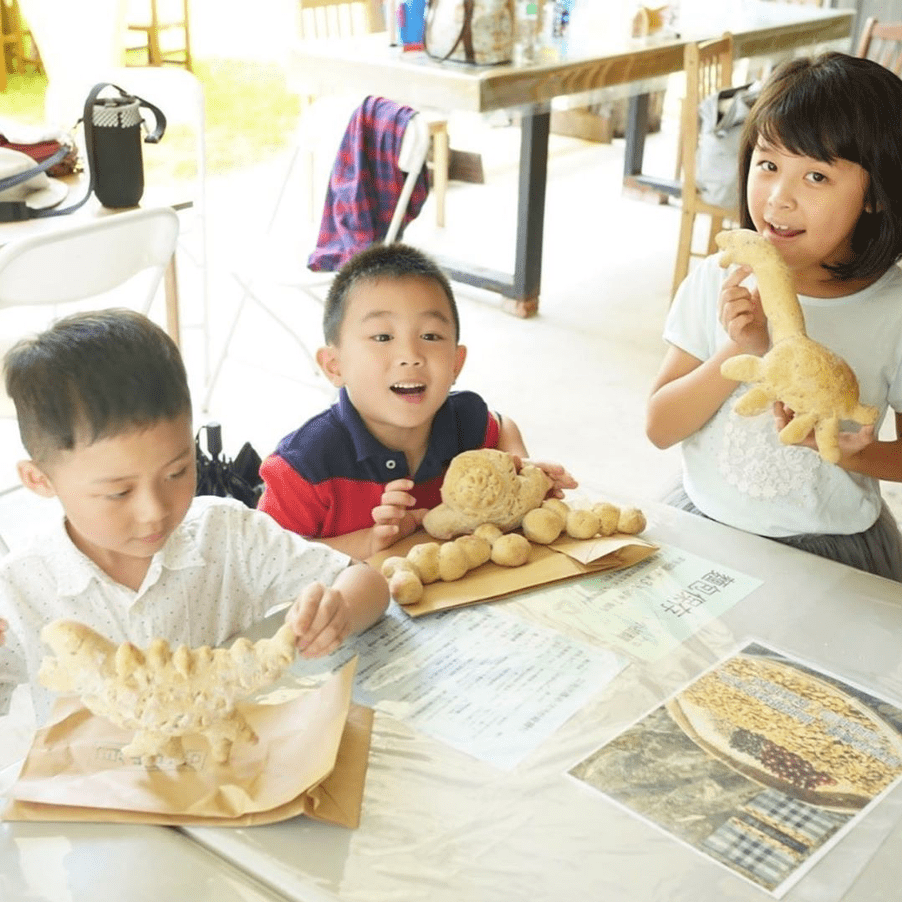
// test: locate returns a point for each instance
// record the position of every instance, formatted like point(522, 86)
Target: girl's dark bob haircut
point(839, 107)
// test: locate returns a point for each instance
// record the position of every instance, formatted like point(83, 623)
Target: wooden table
point(153, 197)
point(368, 65)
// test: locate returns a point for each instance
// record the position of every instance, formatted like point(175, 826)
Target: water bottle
point(526, 32)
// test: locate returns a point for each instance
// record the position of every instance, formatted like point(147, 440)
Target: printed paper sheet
point(646, 611)
point(478, 679)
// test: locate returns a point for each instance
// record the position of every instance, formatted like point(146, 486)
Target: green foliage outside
point(251, 115)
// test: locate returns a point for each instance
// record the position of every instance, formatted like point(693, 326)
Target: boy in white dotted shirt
point(104, 412)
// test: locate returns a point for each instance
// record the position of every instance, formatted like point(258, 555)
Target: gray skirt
point(876, 550)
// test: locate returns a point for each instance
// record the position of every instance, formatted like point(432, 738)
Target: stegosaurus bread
point(163, 694)
point(483, 486)
point(816, 384)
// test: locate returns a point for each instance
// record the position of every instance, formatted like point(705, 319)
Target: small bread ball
point(476, 549)
point(511, 550)
point(452, 562)
point(424, 559)
point(608, 516)
point(582, 524)
point(542, 526)
point(559, 507)
point(632, 521)
point(391, 565)
point(489, 532)
point(405, 587)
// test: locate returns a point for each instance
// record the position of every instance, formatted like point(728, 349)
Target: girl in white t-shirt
point(821, 161)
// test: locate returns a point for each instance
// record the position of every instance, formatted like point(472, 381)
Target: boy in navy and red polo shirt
point(361, 475)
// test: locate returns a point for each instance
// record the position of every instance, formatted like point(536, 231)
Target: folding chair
point(709, 68)
point(411, 160)
point(324, 19)
point(92, 259)
point(114, 260)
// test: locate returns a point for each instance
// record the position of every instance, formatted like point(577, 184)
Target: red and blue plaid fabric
point(365, 184)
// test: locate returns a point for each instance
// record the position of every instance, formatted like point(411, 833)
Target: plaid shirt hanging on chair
point(365, 184)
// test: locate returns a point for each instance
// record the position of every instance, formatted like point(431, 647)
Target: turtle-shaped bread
point(483, 486)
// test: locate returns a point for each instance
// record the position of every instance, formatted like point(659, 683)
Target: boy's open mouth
point(408, 388)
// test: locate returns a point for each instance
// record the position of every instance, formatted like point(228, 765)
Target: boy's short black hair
point(92, 376)
point(393, 261)
point(838, 107)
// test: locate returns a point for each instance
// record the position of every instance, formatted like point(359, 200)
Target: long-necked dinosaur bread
point(815, 383)
point(161, 694)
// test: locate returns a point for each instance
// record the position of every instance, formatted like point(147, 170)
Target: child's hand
point(555, 472)
point(741, 314)
point(395, 517)
point(321, 620)
point(558, 475)
point(3, 626)
point(850, 443)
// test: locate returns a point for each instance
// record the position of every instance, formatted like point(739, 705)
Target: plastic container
point(526, 32)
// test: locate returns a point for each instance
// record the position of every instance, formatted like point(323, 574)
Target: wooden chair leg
point(441, 159)
point(716, 226)
point(684, 249)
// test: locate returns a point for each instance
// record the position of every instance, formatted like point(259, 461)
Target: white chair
point(98, 260)
point(411, 159)
point(104, 261)
point(82, 44)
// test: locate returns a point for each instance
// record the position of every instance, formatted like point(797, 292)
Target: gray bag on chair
point(720, 120)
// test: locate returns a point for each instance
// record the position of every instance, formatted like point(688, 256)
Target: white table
point(368, 65)
point(102, 863)
point(438, 824)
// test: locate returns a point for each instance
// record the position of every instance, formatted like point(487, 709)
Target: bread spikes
point(816, 384)
point(162, 694)
point(429, 562)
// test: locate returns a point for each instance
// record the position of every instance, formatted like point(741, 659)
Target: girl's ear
point(35, 479)
point(329, 360)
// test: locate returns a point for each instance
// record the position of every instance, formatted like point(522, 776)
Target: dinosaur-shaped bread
point(816, 384)
point(483, 486)
point(163, 694)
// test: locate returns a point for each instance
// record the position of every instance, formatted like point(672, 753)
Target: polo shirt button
point(391, 464)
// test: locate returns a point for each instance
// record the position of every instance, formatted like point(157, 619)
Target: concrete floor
point(575, 377)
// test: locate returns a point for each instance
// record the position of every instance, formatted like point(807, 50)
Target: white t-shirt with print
point(222, 569)
point(735, 469)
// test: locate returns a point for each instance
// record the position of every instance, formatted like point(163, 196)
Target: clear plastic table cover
point(439, 824)
point(105, 863)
